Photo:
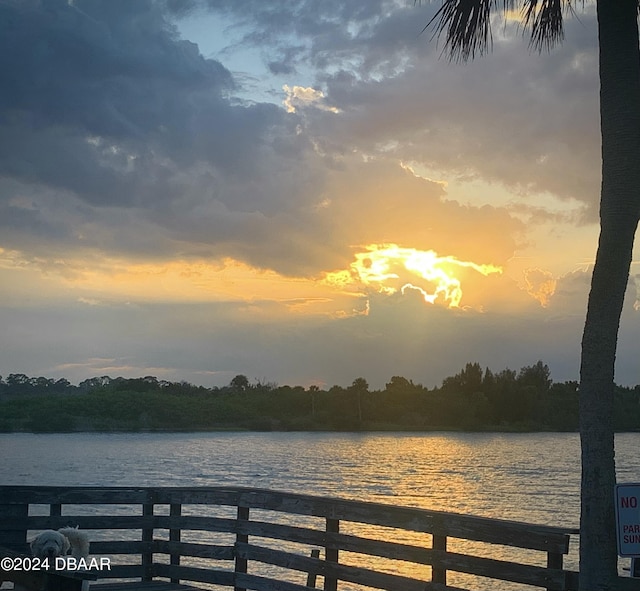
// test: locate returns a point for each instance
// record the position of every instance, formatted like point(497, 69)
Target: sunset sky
point(300, 191)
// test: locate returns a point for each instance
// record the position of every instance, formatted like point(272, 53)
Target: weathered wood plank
point(290, 533)
point(240, 562)
point(226, 496)
point(504, 532)
point(509, 571)
point(80, 495)
point(123, 571)
point(362, 576)
point(175, 510)
point(133, 547)
point(133, 522)
point(555, 579)
point(258, 583)
point(196, 550)
point(625, 584)
point(37, 522)
point(504, 570)
point(124, 547)
point(312, 576)
point(439, 571)
point(43, 580)
point(14, 535)
point(192, 573)
point(55, 509)
point(331, 554)
point(147, 536)
point(140, 586)
point(192, 549)
point(544, 538)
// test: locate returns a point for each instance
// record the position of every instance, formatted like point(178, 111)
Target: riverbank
point(475, 400)
point(113, 411)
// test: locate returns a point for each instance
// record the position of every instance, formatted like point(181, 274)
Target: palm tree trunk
point(619, 211)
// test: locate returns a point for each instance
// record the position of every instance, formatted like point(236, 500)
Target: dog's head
point(49, 544)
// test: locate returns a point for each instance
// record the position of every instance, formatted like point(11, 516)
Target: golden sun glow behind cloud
point(105, 281)
point(389, 268)
point(385, 269)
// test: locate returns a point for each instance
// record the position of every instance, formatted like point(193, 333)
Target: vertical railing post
point(331, 555)
point(16, 538)
point(55, 510)
point(313, 575)
point(175, 510)
point(555, 560)
point(439, 572)
point(147, 536)
point(241, 563)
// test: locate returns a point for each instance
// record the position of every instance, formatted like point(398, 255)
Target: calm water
point(527, 477)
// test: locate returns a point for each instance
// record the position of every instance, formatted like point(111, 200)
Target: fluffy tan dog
point(51, 543)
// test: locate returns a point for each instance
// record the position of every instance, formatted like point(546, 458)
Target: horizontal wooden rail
point(258, 583)
point(174, 542)
point(362, 576)
point(201, 575)
point(191, 522)
point(511, 533)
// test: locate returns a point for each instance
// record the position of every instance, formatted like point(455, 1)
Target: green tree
point(313, 390)
point(399, 385)
point(538, 376)
point(240, 383)
point(467, 382)
point(359, 387)
point(467, 24)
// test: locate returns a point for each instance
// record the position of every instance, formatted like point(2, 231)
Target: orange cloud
point(106, 281)
point(541, 285)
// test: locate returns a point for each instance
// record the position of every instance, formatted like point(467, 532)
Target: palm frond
point(544, 17)
point(467, 24)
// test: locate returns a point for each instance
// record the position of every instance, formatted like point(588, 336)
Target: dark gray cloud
point(106, 109)
point(99, 66)
point(105, 100)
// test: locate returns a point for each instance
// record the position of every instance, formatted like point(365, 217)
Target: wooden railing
point(182, 534)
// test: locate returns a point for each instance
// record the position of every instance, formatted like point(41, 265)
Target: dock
point(185, 538)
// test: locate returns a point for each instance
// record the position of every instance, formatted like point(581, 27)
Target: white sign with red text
point(628, 519)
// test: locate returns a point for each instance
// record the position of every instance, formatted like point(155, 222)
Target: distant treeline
point(473, 400)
